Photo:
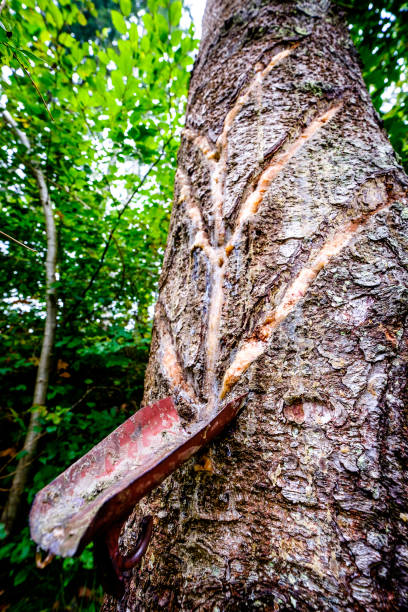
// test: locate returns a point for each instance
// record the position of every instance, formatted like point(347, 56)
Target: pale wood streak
point(256, 345)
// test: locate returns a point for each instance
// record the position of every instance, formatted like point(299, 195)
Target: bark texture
point(12, 507)
point(284, 277)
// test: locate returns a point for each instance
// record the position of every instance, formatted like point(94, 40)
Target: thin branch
point(124, 208)
point(20, 135)
point(3, 467)
point(34, 84)
point(17, 241)
point(88, 391)
point(16, 471)
point(122, 259)
point(66, 189)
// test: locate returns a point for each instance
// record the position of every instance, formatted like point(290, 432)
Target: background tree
point(287, 252)
point(107, 157)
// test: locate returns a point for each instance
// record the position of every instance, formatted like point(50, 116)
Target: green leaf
point(118, 83)
point(103, 57)
point(20, 57)
point(21, 576)
point(162, 26)
point(55, 14)
point(176, 37)
point(125, 7)
point(118, 22)
point(8, 33)
point(35, 58)
point(133, 33)
point(82, 19)
point(148, 22)
point(175, 12)
point(66, 39)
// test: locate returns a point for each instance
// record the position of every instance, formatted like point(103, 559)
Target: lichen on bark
point(284, 278)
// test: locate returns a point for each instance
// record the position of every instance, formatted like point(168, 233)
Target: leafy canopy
point(379, 30)
point(101, 98)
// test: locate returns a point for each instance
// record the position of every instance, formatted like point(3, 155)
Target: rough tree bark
point(284, 278)
point(13, 503)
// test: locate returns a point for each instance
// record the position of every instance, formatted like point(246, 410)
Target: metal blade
point(103, 486)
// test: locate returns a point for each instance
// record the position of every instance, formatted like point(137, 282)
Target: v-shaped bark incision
point(215, 247)
point(217, 158)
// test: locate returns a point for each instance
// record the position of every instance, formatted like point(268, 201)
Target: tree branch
point(17, 241)
point(121, 212)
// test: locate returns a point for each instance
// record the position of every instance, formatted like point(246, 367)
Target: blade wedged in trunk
point(104, 485)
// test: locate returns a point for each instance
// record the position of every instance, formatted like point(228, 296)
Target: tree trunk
point(14, 499)
point(284, 279)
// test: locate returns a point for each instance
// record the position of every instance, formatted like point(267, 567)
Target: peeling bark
point(285, 277)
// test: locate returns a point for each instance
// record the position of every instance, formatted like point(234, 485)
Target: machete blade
point(102, 487)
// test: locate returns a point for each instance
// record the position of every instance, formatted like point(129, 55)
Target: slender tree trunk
point(284, 279)
point(11, 508)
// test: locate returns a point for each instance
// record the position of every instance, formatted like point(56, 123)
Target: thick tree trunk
point(284, 279)
point(14, 499)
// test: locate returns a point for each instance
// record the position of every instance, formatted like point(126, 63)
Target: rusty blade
point(103, 486)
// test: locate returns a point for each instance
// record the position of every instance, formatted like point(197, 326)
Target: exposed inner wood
point(214, 319)
point(251, 204)
point(255, 346)
point(170, 363)
point(217, 252)
point(222, 142)
point(193, 211)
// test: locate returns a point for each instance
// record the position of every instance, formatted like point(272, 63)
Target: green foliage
point(109, 156)
point(99, 89)
point(70, 582)
point(380, 32)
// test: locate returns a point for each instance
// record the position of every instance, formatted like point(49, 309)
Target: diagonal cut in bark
point(218, 253)
point(169, 360)
point(255, 346)
point(193, 211)
point(251, 204)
